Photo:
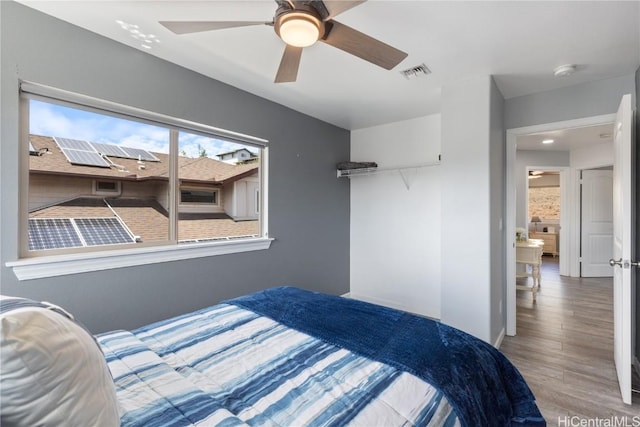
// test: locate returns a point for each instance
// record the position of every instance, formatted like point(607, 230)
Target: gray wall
point(497, 178)
point(525, 158)
point(308, 211)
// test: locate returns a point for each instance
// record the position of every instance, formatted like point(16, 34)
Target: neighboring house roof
point(147, 219)
point(235, 152)
point(200, 169)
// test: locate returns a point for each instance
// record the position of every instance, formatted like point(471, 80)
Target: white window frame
point(58, 264)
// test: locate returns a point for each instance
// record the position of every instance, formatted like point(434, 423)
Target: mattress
point(289, 357)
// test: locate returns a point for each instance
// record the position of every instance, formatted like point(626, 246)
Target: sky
point(55, 120)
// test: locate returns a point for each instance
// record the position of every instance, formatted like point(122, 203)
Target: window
point(102, 176)
point(544, 202)
point(544, 195)
point(108, 188)
point(209, 197)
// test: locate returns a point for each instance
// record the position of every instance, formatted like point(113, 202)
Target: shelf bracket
point(405, 176)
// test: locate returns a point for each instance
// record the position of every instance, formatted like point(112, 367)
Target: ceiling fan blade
point(186, 27)
point(336, 7)
point(288, 70)
point(361, 45)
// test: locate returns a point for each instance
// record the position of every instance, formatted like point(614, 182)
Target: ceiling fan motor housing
point(304, 15)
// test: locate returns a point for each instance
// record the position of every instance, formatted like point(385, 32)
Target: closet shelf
point(348, 173)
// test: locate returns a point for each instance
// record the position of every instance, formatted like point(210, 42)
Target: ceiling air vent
point(417, 71)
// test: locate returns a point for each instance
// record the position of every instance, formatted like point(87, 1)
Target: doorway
point(622, 157)
point(544, 207)
point(579, 159)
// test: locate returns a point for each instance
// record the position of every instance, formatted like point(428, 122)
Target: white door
point(597, 223)
point(623, 238)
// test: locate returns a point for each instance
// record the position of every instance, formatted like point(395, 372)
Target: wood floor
point(564, 349)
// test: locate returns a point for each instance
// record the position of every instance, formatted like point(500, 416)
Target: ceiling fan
point(302, 23)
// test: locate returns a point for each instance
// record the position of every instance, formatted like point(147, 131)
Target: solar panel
point(58, 233)
point(87, 158)
point(137, 153)
point(103, 231)
point(74, 144)
point(52, 233)
point(109, 150)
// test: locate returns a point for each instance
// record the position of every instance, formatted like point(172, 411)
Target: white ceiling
point(518, 42)
point(567, 139)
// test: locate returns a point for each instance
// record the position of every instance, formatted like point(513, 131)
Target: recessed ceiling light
point(547, 141)
point(564, 70)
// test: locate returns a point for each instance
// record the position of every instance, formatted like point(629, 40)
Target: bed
point(280, 357)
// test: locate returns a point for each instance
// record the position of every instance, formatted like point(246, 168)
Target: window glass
point(209, 197)
point(108, 186)
point(544, 202)
point(78, 156)
point(216, 188)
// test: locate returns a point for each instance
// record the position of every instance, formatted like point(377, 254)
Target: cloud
point(55, 120)
point(190, 145)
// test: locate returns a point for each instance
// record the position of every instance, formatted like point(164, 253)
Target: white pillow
point(52, 372)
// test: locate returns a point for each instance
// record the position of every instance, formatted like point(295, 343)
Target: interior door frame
point(510, 201)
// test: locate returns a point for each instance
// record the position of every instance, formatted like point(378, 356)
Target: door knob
point(613, 262)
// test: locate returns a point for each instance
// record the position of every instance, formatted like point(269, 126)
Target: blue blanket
point(484, 388)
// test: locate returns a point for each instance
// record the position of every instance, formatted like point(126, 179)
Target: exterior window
point(108, 180)
point(544, 202)
point(106, 187)
point(208, 197)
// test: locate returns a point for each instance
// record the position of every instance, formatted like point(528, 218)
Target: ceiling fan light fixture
point(299, 29)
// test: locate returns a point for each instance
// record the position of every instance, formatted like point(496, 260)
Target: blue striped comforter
point(226, 365)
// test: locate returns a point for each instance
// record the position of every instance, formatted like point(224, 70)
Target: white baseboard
point(499, 339)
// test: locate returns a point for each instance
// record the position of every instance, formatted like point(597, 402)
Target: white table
point(529, 256)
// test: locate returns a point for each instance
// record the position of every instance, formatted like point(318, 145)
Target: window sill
point(60, 265)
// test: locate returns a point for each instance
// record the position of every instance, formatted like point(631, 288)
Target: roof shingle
point(201, 169)
point(147, 219)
